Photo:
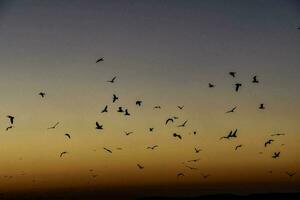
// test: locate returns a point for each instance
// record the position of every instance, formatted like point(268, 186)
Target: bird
point(169, 120)
point(126, 112)
point(230, 135)
point(138, 103)
point(277, 134)
point(276, 155)
point(262, 106)
point(128, 133)
point(42, 94)
point(194, 160)
point(255, 79)
point(140, 166)
point(237, 86)
point(120, 109)
point(55, 125)
point(62, 153)
point(11, 119)
point(98, 126)
point(105, 109)
point(291, 174)
point(232, 110)
point(180, 107)
point(191, 168)
point(177, 135)
point(112, 80)
point(152, 147)
point(268, 142)
point(157, 107)
point(9, 127)
point(108, 150)
point(197, 150)
point(68, 135)
point(115, 98)
point(205, 176)
point(210, 85)
point(183, 125)
point(119, 148)
point(100, 60)
point(232, 74)
point(180, 174)
point(238, 146)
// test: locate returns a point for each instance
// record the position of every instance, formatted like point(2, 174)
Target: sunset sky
point(163, 53)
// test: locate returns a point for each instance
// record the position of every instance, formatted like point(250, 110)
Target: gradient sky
point(164, 53)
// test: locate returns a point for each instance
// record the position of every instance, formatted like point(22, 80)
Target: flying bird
point(183, 125)
point(108, 150)
point(191, 168)
point(138, 103)
point(9, 127)
point(268, 142)
point(100, 60)
point(105, 109)
point(194, 160)
point(169, 120)
point(276, 155)
point(197, 150)
point(42, 94)
point(98, 126)
point(210, 85)
point(238, 146)
point(53, 127)
point(255, 79)
point(68, 135)
point(140, 166)
point(232, 74)
point(152, 147)
point(180, 174)
point(237, 86)
point(126, 112)
point(115, 98)
point(120, 110)
point(157, 107)
point(278, 134)
point(230, 135)
point(291, 174)
point(63, 153)
point(232, 110)
point(11, 118)
point(205, 176)
point(180, 107)
point(128, 133)
point(177, 135)
point(262, 106)
point(112, 80)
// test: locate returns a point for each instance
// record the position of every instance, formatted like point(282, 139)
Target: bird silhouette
point(105, 109)
point(157, 107)
point(100, 60)
point(128, 133)
point(152, 147)
point(138, 103)
point(237, 86)
point(268, 142)
point(120, 110)
point(180, 107)
point(177, 135)
point(205, 176)
point(11, 119)
point(277, 134)
point(169, 120)
point(276, 155)
point(254, 80)
point(42, 94)
point(108, 150)
point(210, 85)
point(191, 168)
point(194, 160)
point(180, 174)
point(197, 150)
point(9, 127)
point(126, 112)
point(232, 110)
point(151, 129)
point(68, 135)
point(232, 74)
point(230, 135)
point(183, 124)
point(98, 126)
point(63, 153)
point(112, 80)
point(262, 106)
point(115, 98)
point(238, 146)
point(140, 166)
point(290, 174)
point(55, 125)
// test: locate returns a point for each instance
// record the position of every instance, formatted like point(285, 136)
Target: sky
point(163, 53)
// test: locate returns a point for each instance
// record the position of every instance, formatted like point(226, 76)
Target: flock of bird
point(229, 136)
